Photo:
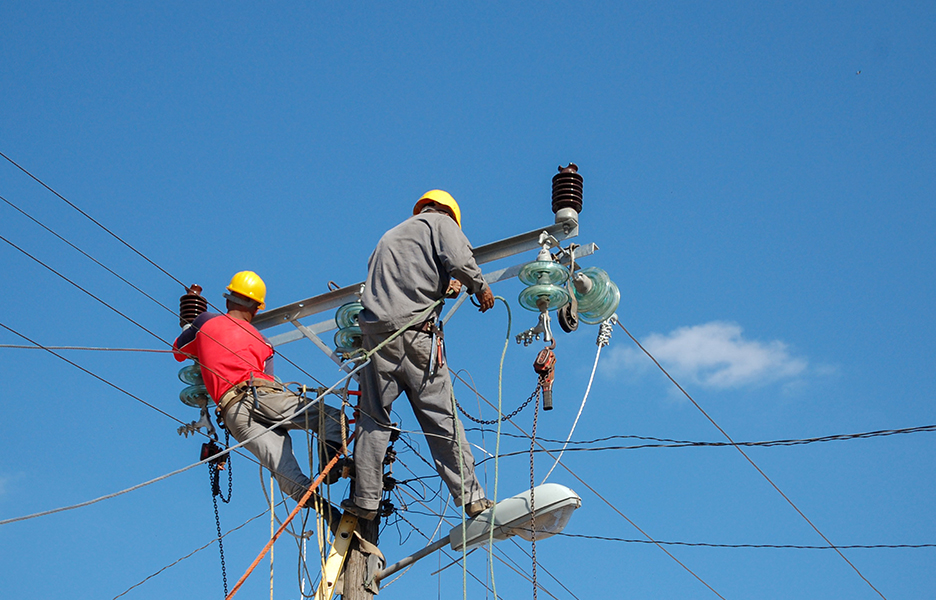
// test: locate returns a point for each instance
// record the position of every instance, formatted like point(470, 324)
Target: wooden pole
point(356, 567)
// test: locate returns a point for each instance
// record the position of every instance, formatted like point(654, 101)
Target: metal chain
point(532, 486)
point(214, 478)
point(214, 501)
point(503, 418)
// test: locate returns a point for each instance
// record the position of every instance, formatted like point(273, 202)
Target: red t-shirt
point(229, 351)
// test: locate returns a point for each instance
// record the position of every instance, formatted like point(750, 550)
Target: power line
point(671, 443)
point(21, 347)
point(96, 261)
point(758, 546)
point(191, 554)
point(748, 458)
point(90, 218)
point(606, 501)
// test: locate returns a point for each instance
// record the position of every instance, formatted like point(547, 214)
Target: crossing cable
point(610, 505)
point(89, 217)
point(671, 443)
point(111, 271)
point(140, 325)
point(120, 389)
point(757, 546)
point(748, 458)
point(213, 457)
point(189, 555)
point(96, 261)
point(23, 347)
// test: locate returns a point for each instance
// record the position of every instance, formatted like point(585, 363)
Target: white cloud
point(716, 355)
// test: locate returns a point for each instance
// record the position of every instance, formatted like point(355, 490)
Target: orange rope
point(292, 515)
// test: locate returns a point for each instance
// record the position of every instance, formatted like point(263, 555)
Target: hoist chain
point(214, 475)
point(532, 500)
point(503, 418)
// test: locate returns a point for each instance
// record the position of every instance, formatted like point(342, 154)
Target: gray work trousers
point(402, 367)
point(274, 448)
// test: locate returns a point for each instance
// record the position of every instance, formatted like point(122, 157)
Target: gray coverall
point(409, 270)
point(244, 419)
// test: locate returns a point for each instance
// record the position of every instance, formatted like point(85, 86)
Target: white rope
point(604, 337)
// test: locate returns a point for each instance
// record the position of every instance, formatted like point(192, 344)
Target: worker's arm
point(454, 250)
point(184, 346)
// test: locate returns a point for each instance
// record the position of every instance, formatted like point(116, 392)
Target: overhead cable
point(610, 505)
point(90, 218)
point(748, 458)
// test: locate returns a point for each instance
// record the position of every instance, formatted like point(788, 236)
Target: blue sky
point(758, 177)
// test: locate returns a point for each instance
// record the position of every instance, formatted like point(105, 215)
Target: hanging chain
point(503, 418)
point(532, 485)
point(214, 477)
point(214, 501)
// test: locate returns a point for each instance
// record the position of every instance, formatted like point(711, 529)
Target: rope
point(292, 515)
point(574, 423)
point(497, 438)
point(224, 452)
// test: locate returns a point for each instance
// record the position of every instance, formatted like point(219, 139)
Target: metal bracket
point(204, 420)
point(542, 328)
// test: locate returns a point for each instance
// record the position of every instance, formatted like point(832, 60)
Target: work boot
point(477, 507)
point(348, 505)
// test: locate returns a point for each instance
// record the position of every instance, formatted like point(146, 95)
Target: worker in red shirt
point(237, 367)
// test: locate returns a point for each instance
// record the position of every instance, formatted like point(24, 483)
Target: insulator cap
point(567, 187)
point(191, 305)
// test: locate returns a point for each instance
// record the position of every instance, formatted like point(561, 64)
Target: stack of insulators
point(597, 301)
point(567, 189)
point(196, 394)
point(348, 337)
point(191, 305)
point(543, 291)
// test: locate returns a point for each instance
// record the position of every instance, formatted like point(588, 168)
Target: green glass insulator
point(553, 295)
point(191, 374)
point(601, 301)
point(543, 272)
point(348, 338)
point(346, 316)
point(194, 396)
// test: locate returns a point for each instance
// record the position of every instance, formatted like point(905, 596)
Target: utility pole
point(356, 568)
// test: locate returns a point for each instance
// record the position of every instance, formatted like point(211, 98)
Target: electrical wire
point(20, 347)
point(756, 546)
point(748, 458)
point(189, 555)
point(214, 457)
point(671, 443)
point(90, 218)
point(613, 507)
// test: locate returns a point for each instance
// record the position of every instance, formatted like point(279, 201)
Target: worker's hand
point(454, 289)
point(485, 299)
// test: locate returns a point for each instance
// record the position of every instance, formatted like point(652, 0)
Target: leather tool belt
point(238, 391)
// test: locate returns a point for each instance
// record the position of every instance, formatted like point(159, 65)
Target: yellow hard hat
point(440, 197)
point(249, 285)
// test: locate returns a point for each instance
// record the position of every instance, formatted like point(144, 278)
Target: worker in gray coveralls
point(413, 266)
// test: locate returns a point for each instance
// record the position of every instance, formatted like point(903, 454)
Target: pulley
point(598, 297)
